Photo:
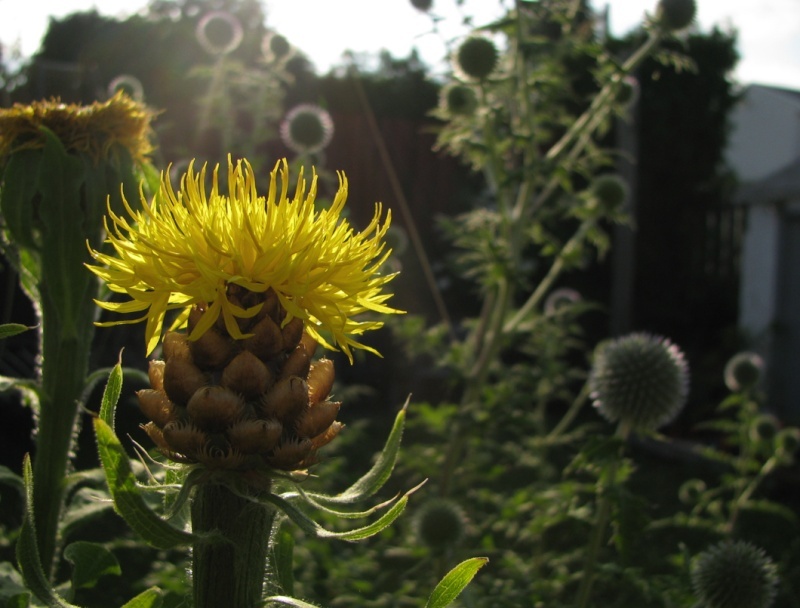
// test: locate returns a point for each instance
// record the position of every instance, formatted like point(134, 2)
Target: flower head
point(94, 130)
point(734, 574)
point(307, 128)
point(743, 371)
point(640, 380)
point(194, 248)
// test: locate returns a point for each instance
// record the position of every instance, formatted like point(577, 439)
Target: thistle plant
point(61, 163)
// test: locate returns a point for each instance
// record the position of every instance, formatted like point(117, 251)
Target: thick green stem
point(65, 361)
point(229, 569)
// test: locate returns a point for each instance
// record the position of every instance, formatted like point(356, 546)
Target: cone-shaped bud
point(477, 57)
point(212, 349)
point(317, 418)
point(327, 436)
point(441, 524)
point(291, 454)
point(157, 406)
point(292, 333)
point(214, 408)
point(734, 574)
point(182, 379)
point(184, 438)
point(246, 374)
point(640, 380)
point(176, 346)
point(286, 400)
point(266, 341)
point(298, 363)
point(155, 372)
point(255, 436)
point(320, 380)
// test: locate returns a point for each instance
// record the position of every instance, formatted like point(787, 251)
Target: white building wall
point(759, 279)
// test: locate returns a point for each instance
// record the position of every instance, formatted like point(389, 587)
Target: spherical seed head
point(441, 524)
point(477, 57)
point(675, 15)
point(610, 190)
point(734, 574)
point(307, 128)
point(459, 100)
point(640, 380)
point(422, 5)
point(743, 371)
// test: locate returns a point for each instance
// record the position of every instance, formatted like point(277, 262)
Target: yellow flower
point(186, 249)
point(93, 130)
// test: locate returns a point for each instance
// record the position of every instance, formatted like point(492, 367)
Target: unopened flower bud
point(675, 15)
point(459, 100)
point(441, 524)
point(477, 57)
point(743, 371)
point(155, 372)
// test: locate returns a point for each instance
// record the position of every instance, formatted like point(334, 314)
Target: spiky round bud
point(673, 15)
point(477, 57)
point(787, 441)
point(610, 191)
point(307, 128)
point(691, 491)
point(734, 574)
point(628, 92)
point(441, 524)
point(422, 5)
point(279, 46)
point(743, 371)
point(560, 300)
point(459, 100)
point(764, 428)
point(640, 380)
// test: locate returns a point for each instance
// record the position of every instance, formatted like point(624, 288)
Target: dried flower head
point(640, 380)
point(95, 130)
point(196, 248)
point(734, 574)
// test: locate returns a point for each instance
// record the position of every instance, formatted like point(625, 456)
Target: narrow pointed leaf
point(288, 601)
point(8, 330)
point(342, 514)
point(454, 582)
point(150, 598)
point(380, 472)
point(30, 564)
point(108, 404)
point(128, 501)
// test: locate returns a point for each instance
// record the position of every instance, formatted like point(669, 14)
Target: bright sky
point(769, 30)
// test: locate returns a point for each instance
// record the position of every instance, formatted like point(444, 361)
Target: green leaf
point(380, 472)
point(11, 583)
point(89, 562)
point(8, 330)
point(28, 558)
point(20, 600)
point(108, 404)
point(282, 559)
point(17, 196)
point(150, 598)
point(288, 601)
point(128, 501)
point(11, 479)
point(309, 526)
point(454, 582)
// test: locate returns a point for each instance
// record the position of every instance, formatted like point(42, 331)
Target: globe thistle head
point(307, 128)
point(743, 371)
point(628, 92)
point(787, 441)
point(764, 428)
point(278, 46)
point(734, 574)
point(459, 100)
point(476, 58)
point(560, 300)
point(639, 380)
point(610, 191)
point(440, 524)
point(219, 32)
point(422, 5)
point(673, 15)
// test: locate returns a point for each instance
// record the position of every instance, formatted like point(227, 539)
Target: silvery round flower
point(743, 371)
point(640, 380)
point(734, 574)
point(307, 128)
